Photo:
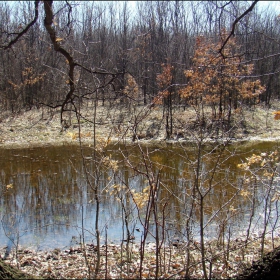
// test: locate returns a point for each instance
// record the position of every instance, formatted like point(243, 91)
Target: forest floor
point(42, 127)
point(79, 262)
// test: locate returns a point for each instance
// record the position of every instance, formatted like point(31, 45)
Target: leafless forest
point(63, 53)
point(216, 59)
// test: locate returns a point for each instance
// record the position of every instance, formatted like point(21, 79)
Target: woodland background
point(115, 46)
point(108, 64)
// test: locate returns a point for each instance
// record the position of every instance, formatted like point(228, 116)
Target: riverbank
point(76, 262)
point(42, 127)
point(37, 128)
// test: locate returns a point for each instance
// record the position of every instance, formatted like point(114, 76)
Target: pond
point(48, 193)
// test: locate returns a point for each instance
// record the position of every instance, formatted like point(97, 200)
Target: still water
point(47, 193)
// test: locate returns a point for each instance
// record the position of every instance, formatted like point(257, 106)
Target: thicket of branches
point(215, 54)
point(94, 47)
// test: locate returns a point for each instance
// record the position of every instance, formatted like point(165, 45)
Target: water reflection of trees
point(49, 188)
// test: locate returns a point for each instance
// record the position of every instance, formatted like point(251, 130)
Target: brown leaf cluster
point(214, 78)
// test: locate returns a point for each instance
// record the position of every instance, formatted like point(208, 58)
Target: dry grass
point(42, 127)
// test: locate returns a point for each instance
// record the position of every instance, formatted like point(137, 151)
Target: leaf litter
point(79, 262)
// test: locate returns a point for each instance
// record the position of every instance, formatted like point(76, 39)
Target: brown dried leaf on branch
point(276, 115)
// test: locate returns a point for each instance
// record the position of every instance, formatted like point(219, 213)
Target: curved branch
point(57, 47)
point(234, 24)
point(20, 34)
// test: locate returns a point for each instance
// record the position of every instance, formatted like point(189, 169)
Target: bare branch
point(20, 34)
point(48, 25)
point(234, 24)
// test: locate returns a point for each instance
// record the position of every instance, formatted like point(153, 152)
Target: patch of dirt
point(267, 268)
point(9, 272)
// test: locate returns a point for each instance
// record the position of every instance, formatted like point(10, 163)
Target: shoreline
point(41, 127)
point(71, 262)
point(23, 132)
point(150, 142)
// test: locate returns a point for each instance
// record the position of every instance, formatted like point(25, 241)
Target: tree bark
point(57, 47)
